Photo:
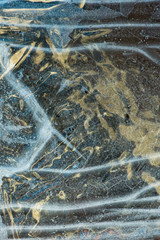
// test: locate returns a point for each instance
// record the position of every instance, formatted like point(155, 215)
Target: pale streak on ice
point(13, 128)
point(141, 49)
point(130, 198)
point(112, 163)
point(106, 236)
point(43, 124)
point(75, 207)
point(93, 225)
point(84, 26)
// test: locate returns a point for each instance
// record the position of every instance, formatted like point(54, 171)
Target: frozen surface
point(79, 120)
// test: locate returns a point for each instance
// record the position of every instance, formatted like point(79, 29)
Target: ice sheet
point(79, 120)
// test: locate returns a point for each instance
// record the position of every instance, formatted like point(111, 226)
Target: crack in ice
point(43, 124)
